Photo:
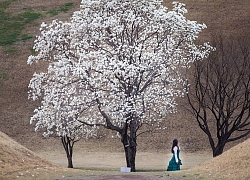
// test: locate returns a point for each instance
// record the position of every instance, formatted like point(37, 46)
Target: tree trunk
point(127, 154)
point(130, 153)
point(129, 144)
point(132, 144)
point(218, 150)
point(70, 162)
point(68, 147)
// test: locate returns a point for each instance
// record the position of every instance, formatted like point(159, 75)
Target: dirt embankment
point(16, 161)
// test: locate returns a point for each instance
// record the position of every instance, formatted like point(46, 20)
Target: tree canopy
point(115, 62)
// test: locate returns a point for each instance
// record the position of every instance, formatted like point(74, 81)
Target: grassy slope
point(230, 17)
point(232, 164)
point(17, 161)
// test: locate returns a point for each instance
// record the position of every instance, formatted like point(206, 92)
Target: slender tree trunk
point(129, 144)
point(70, 162)
point(132, 155)
point(127, 153)
point(132, 143)
point(125, 142)
point(68, 147)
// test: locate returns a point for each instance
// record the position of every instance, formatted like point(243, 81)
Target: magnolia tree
point(54, 116)
point(116, 64)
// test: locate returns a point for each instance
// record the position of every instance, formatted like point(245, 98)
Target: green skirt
point(172, 166)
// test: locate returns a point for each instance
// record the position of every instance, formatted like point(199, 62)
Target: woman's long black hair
point(175, 143)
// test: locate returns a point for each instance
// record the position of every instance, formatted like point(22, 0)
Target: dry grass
point(18, 162)
point(230, 17)
point(232, 164)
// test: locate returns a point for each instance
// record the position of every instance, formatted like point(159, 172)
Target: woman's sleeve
point(175, 154)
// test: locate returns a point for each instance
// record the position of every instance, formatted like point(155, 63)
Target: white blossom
point(127, 54)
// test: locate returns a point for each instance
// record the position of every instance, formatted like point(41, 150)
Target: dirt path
point(125, 177)
point(113, 161)
point(106, 166)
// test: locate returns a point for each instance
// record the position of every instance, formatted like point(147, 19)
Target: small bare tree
point(219, 94)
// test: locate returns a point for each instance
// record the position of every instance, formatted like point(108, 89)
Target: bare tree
point(219, 93)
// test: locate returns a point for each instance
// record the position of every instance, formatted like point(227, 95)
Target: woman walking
point(175, 161)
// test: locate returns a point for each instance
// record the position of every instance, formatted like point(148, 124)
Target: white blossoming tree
point(54, 116)
point(116, 64)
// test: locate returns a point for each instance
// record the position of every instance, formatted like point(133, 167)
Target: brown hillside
point(226, 16)
point(16, 161)
point(232, 164)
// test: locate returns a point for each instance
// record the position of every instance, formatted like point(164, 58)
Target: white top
point(175, 154)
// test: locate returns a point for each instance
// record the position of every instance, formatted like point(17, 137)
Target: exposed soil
point(17, 161)
point(125, 177)
point(145, 161)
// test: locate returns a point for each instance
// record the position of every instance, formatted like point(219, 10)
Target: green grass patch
point(4, 75)
point(11, 26)
point(10, 50)
point(25, 37)
point(53, 12)
point(32, 50)
point(64, 8)
point(28, 16)
point(5, 4)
